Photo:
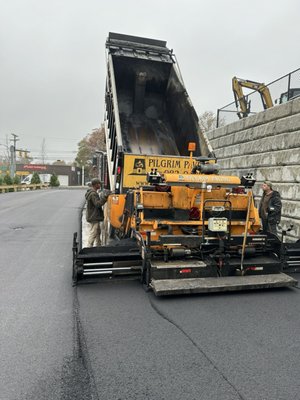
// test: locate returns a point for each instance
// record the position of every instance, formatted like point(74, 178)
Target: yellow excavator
point(242, 102)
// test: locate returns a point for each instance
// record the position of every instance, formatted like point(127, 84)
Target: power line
point(47, 138)
point(55, 151)
point(52, 159)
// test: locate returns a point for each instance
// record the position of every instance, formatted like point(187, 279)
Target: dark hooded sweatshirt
point(94, 203)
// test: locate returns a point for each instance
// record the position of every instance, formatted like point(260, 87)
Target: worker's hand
point(106, 192)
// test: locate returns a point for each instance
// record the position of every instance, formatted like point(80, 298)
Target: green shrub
point(16, 180)
point(35, 180)
point(7, 180)
point(1, 180)
point(54, 182)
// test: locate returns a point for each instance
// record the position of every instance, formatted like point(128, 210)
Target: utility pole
point(13, 155)
point(11, 162)
point(43, 151)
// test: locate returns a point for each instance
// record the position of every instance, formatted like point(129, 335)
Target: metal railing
point(282, 90)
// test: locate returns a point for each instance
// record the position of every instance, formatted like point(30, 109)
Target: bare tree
point(5, 152)
point(208, 121)
point(91, 143)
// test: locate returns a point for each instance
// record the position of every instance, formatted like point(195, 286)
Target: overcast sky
point(52, 57)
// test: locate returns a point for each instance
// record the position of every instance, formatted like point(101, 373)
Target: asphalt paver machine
point(173, 220)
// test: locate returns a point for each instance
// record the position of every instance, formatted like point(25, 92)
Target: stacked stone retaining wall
point(268, 145)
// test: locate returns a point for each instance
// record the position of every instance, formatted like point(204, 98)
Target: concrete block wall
point(268, 145)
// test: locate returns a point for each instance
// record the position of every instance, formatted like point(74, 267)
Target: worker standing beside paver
point(270, 208)
point(94, 212)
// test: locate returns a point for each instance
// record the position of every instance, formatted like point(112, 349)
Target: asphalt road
point(115, 341)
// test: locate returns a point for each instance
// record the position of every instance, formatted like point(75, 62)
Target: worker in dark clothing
point(270, 208)
point(94, 212)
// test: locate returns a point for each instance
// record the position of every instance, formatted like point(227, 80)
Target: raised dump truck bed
point(148, 110)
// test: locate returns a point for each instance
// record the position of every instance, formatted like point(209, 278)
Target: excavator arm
point(241, 100)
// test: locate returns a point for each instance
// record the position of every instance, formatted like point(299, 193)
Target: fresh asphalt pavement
point(112, 340)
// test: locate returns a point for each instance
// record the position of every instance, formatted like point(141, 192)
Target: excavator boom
point(241, 100)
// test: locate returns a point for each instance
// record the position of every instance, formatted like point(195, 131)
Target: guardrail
point(19, 188)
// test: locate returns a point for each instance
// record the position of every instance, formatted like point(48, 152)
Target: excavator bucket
point(164, 287)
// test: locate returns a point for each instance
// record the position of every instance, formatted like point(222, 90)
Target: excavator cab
point(291, 94)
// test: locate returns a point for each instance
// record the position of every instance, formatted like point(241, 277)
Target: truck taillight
point(119, 170)
point(185, 271)
point(254, 268)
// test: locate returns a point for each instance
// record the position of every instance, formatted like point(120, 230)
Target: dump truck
point(173, 220)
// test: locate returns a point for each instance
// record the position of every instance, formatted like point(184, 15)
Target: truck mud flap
point(165, 287)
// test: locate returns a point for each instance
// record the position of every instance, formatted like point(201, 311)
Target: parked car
point(45, 179)
point(26, 180)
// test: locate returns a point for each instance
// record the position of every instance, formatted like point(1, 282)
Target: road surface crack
point(78, 381)
point(214, 365)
